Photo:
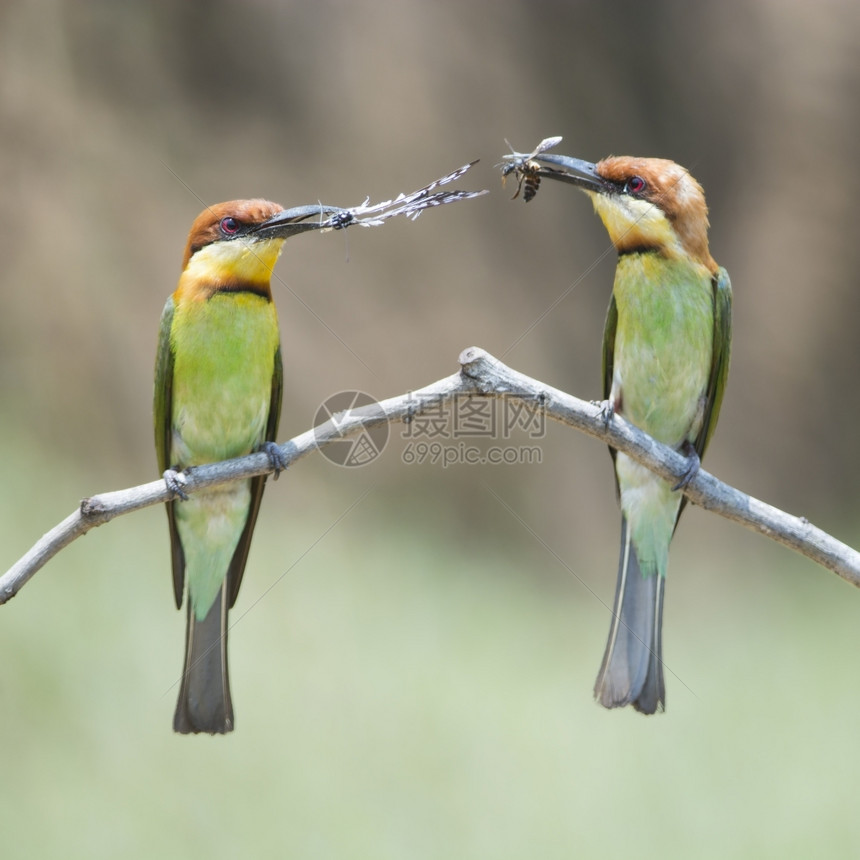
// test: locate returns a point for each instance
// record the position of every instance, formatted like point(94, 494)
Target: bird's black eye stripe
point(230, 226)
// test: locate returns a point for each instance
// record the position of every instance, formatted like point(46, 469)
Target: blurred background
point(414, 648)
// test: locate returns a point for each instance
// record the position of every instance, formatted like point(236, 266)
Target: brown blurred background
point(119, 121)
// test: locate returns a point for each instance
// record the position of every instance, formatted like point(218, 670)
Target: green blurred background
point(414, 648)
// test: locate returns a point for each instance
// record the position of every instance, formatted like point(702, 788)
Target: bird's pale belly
point(218, 429)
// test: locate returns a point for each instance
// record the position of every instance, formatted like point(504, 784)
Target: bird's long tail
point(204, 698)
point(632, 668)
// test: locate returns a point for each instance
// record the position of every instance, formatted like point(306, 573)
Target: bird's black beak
point(573, 170)
point(299, 219)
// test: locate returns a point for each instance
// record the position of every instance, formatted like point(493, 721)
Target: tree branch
point(480, 374)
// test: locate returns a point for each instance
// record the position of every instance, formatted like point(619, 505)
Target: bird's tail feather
point(632, 668)
point(204, 697)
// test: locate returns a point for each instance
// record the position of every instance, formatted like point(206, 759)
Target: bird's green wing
point(719, 358)
point(277, 396)
point(240, 556)
point(720, 355)
point(609, 346)
point(163, 388)
point(162, 413)
point(609, 359)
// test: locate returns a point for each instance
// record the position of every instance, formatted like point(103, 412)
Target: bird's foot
point(175, 481)
point(607, 411)
point(694, 463)
point(276, 457)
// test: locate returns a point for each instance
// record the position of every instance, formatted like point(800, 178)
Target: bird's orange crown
point(668, 211)
point(218, 256)
point(207, 227)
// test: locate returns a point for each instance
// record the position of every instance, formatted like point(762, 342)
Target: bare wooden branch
point(483, 375)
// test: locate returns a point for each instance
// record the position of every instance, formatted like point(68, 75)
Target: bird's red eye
point(230, 226)
point(635, 185)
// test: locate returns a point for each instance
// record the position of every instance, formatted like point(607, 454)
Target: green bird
point(665, 360)
point(218, 382)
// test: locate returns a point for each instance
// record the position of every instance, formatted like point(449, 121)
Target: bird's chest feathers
point(663, 344)
point(224, 353)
